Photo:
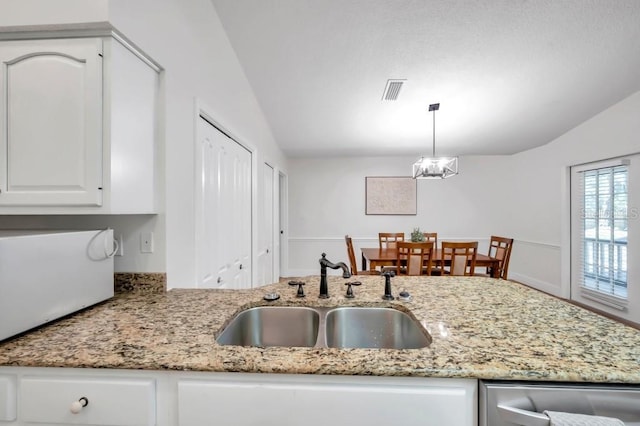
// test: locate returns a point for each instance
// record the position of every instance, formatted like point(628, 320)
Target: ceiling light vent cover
point(392, 89)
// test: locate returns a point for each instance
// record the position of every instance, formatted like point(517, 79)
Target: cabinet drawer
point(7, 398)
point(124, 402)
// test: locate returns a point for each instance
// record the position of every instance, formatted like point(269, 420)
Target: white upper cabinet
point(51, 114)
point(78, 127)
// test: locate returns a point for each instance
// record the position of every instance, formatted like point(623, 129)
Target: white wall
point(187, 39)
point(327, 201)
point(540, 197)
point(44, 12)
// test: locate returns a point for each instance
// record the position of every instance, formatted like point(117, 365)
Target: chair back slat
point(352, 255)
point(461, 256)
point(414, 258)
point(352, 259)
point(431, 236)
point(500, 248)
point(390, 239)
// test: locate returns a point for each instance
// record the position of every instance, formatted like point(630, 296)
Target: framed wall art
point(390, 195)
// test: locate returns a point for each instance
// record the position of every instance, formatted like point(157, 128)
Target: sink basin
point(352, 327)
point(272, 326)
point(344, 327)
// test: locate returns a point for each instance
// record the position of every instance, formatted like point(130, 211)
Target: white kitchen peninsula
point(164, 343)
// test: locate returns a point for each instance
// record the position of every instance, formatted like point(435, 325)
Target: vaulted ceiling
point(509, 75)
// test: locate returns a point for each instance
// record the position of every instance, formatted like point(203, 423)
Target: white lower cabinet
point(87, 401)
point(49, 396)
point(65, 396)
point(290, 400)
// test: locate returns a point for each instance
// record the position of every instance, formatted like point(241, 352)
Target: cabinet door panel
point(7, 398)
point(132, 132)
point(51, 109)
point(313, 403)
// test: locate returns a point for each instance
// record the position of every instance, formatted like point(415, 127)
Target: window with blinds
point(603, 218)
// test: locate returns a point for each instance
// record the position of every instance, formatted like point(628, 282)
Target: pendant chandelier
point(435, 167)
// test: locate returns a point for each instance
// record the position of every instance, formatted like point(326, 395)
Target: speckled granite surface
point(142, 282)
point(481, 328)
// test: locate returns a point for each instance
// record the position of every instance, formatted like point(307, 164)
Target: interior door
point(282, 224)
point(266, 227)
point(223, 216)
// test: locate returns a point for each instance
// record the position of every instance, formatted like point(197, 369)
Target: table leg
point(495, 270)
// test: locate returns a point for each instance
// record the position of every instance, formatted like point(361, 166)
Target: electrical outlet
point(120, 251)
point(146, 242)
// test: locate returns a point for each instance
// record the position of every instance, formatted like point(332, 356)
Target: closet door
point(223, 216)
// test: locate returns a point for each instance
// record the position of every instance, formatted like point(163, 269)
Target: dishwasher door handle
point(522, 417)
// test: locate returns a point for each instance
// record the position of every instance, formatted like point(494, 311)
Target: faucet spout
point(324, 263)
point(387, 285)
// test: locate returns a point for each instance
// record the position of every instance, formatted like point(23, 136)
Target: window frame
point(577, 217)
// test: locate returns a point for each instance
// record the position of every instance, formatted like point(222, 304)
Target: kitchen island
point(481, 328)
point(154, 355)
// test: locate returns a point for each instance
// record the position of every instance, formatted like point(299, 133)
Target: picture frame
point(390, 195)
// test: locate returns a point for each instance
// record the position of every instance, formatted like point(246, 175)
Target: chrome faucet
point(324, 287)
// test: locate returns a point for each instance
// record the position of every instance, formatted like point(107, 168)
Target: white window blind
point(602, 230)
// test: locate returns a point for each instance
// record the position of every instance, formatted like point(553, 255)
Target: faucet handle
point(300, 292)
point(350, 294)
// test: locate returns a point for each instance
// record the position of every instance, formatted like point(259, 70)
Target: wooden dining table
point(376, 257)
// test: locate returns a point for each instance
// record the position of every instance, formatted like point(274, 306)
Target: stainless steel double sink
point(338, 327)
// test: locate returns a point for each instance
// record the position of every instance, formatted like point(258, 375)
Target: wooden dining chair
point(500, 248)
point(389, 239)
point(352, 259)
point(414, 258)
point(459, 257)
point(431, 236)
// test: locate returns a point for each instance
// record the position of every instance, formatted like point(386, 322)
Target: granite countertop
point(481, 328)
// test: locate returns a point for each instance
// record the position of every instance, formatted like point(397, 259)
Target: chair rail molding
point(538, 243)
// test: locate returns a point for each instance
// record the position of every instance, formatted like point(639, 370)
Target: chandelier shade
point(435, 167)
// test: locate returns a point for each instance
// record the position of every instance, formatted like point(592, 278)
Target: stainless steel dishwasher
point(508, 403)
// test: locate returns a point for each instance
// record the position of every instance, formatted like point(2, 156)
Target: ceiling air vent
point(392, 89)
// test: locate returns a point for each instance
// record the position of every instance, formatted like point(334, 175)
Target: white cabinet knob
point(77, 406)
